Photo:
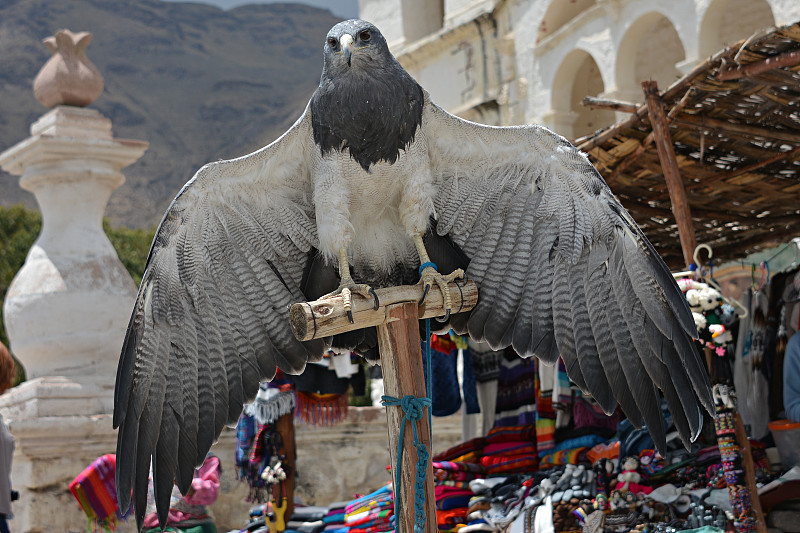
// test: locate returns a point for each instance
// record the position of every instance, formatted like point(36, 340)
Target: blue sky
point(342, 8)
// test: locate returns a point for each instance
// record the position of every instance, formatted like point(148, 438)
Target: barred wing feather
point(563, 270)
point(211, 317)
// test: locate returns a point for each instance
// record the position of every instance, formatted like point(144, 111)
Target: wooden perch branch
point(322, 318)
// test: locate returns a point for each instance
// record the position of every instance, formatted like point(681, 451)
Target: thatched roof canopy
point(735, 125)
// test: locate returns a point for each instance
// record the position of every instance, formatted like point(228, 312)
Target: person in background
point(791, 378)
point(188, 514)
point(7, 373)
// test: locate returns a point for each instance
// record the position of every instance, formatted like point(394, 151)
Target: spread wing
point(563, 269)
point(211, 317)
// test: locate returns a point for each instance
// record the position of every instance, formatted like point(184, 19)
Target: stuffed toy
point(699, 321)
point(617, 501)
point(704, 298)
point(601, 502)
point(630, 479)
point(602, 474)
point(711, 316)
point(727, 314)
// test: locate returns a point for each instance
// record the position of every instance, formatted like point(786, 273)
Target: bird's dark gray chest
point(374, 115)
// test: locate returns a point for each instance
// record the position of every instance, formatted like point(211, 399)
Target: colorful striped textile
point(446, 519)
point(96, 492)
point(465, 448)
point(368, 501)
point(564, 457)
point(510, 448)
point(511, 434)
point(514, 465)
point(450, 475)
point(458, 467)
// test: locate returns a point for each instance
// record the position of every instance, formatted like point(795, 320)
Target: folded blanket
point(565, 457)
point(508, 448)
point(369, 518)
point(380, 493)
point(440, 491)
point(471, 457)
point(456, 484)
point(452, 475)
point(451, 517)
point(385, 502)
point(464, 467)
point(493, 460)
point(95, 491)
point(337, 518)
point(452, 502)
point(305, 527)
point(309, 513)
point(514, 465)
point(382, 496)
point(384, 528)
point(469, 446)
point(578, 442)
point(512, 433)
point(489, 460)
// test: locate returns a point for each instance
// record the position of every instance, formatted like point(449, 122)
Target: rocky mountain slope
point(198, 83)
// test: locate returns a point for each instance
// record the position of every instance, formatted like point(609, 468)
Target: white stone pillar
point(67, 309)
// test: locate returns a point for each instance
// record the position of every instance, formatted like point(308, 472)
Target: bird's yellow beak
point(346, 41)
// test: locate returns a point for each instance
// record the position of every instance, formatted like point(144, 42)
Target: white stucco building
point(507, 62)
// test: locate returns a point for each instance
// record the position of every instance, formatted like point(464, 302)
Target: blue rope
point(423, 266)
point(412, 411)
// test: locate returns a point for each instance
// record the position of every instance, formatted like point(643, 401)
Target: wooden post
point(401, 361)
point(285, 428)
point(669, 164)
point(750, 474)
point(397, 320)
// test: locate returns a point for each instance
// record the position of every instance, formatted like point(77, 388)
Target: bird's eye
point(364, 36)
point(333, 42)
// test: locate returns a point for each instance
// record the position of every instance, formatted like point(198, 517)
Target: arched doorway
point(728, 21)
point(559, 13)
point(578, 77)
point(649, 50)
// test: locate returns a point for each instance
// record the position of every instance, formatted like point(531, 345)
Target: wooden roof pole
point(669, 164)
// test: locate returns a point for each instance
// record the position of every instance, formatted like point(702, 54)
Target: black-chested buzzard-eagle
point(377, 179)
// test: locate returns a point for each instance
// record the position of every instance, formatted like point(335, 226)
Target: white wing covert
point(563, 269)
point(211, 316)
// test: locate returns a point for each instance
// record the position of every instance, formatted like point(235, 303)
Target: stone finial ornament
point(68, 78)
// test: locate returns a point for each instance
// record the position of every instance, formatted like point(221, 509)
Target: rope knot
point(413, 406)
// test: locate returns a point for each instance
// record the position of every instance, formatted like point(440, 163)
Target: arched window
point(578, 77)
point(728, 21)
point(421, 18)
point(559, 13)
point(649, 50)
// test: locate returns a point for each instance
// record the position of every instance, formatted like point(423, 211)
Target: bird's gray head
point(355, 43)
point(366, 102)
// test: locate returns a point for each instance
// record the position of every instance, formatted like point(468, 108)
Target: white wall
point(520, 55)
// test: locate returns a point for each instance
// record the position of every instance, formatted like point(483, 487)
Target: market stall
point(724, 140)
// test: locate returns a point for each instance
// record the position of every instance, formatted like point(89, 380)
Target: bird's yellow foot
point(346, 289)
point(429, 276)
